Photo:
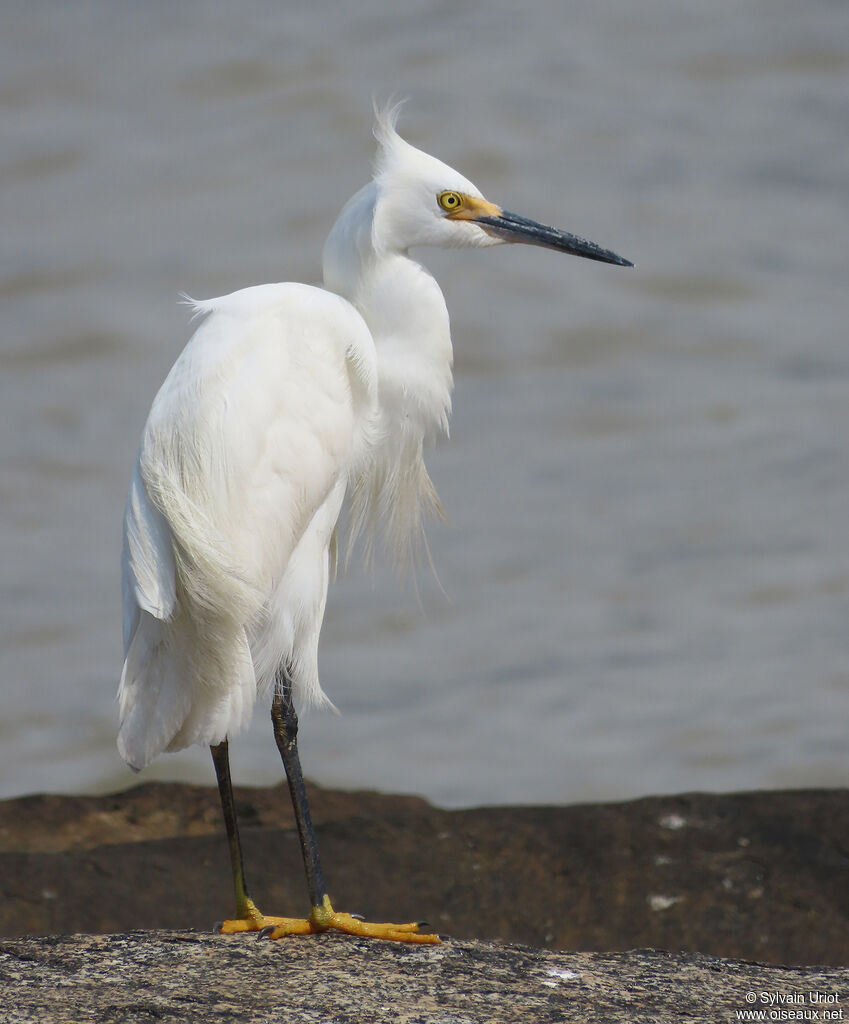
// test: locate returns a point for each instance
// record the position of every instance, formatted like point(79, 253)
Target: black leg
point(286, 734)
point(245, 906)
point(322, 915)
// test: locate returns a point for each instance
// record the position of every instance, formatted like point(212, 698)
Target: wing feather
point(264, 415)
point(148, 559)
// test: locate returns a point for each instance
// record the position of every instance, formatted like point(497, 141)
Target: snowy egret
point(288, 401)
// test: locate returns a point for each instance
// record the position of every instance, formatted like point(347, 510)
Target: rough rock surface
point(180, 976)
point(758, 876)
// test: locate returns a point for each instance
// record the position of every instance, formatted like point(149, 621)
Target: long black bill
point(513, 228)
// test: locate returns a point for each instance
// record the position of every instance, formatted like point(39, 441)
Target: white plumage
point(287, 400)
point(271, 413)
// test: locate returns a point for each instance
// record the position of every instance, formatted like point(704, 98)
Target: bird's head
point(422, 201)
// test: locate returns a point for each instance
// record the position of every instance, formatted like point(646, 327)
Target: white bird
point(288, 401)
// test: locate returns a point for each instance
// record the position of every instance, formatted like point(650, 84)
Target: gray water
point(646, 560)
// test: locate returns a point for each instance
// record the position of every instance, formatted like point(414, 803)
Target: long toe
point(274, 927)
point(408, 932)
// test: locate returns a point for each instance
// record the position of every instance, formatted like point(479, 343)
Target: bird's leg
point(322, 915)
point(245, 907)
point(248, 916)
point(286, 735)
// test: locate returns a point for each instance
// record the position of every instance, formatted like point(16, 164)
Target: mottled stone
point(184, 976)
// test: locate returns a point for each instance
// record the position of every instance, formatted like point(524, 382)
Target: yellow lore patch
point(459, 206)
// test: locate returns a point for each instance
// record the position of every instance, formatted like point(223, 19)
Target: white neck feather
point(405, 312)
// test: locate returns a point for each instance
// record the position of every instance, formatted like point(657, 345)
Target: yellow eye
point(450, 201)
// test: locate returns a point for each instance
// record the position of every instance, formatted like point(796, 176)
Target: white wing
point(147, 564)
point(260, 419)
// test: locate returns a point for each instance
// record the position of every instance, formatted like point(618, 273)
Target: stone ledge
point(166, 976)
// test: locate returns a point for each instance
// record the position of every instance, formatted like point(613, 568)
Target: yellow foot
point(291, 925)
point(322, 919)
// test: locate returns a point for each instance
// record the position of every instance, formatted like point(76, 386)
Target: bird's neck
point(405, 312)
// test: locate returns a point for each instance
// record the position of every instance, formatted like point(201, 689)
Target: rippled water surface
point(646, 560)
